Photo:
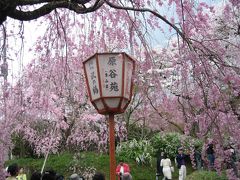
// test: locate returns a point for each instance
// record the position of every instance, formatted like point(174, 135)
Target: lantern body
point(109, 81)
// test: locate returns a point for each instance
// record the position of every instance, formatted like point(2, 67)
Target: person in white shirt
point(166, 164)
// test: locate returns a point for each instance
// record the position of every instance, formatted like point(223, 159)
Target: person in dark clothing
point(59, 177)
point(181, 164)
point(98, 176)
point(49, 175)
point(231, 160)
point(159, 168)
point(117, 141)
point(36, 176)
point(13, 170)
point(210, 155)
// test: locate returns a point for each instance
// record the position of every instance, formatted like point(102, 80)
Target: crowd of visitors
point(16, 173)
point(200, 161)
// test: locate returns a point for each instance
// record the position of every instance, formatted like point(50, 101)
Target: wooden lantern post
point(109, 84)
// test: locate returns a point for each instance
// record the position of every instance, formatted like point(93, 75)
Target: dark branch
point(34, 2)
point(7, 9)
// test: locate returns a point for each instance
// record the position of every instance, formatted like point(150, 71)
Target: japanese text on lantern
point(93, 78)
point(110, 76)
point(128, 74)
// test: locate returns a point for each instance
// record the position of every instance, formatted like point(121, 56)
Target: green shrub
point(167, 143)
point(170, 142)
point(140, 151)
point(189, 142)
point(22, 148)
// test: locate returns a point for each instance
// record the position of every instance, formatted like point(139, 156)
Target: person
point(76, 177)
point(36, 176)
point(59, 177)
point(166, 164)
point(117, 141)
point(21, 175)
point(159, 168)
point(126, 176)
point(198, 158)
point(4, 170)
point(49, 175)
point(98, 176)
point(210, 155)
point(123, 171)
point(181, 164)
point(13, 171)
point(231, 159)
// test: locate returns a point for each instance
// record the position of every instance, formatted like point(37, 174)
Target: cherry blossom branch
point(213, 56)
point(183, 19)
point(115, 6)
point(160, 114)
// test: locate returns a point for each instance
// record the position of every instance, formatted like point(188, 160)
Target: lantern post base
point(112, 147)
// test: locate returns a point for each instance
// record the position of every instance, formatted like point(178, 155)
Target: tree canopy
point(187, 75)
